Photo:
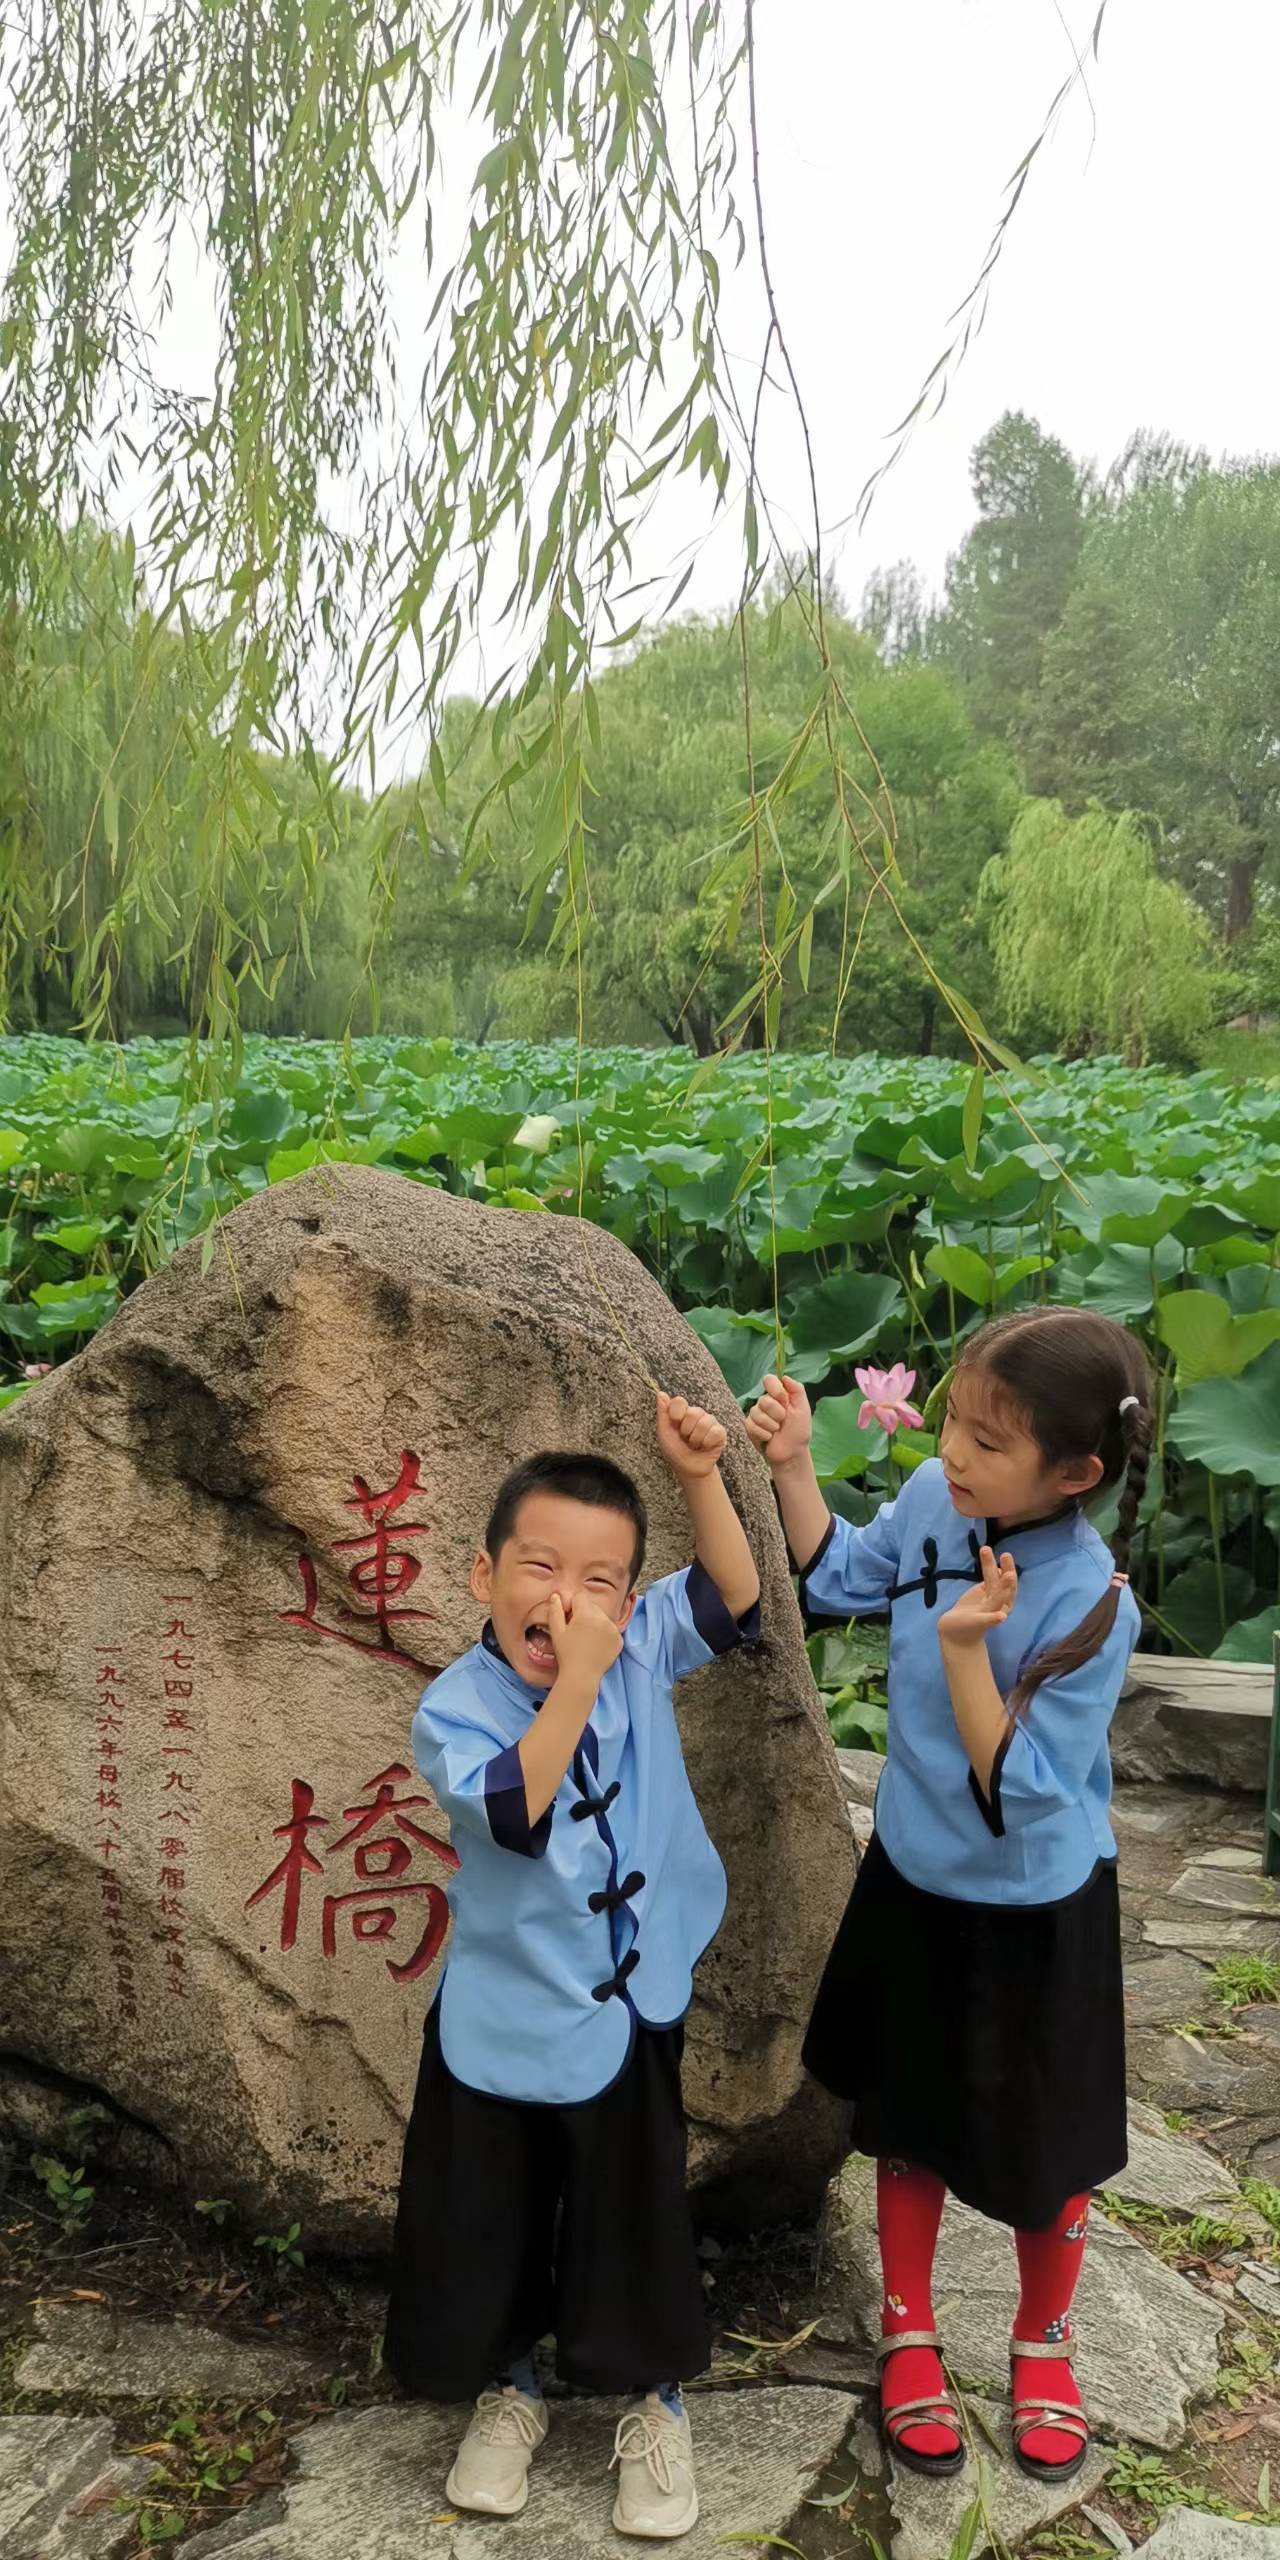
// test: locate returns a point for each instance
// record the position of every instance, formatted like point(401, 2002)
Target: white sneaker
point(657, 2497)
point(491, 2470)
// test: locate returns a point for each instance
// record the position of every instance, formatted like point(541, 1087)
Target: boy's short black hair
point(579, 1477)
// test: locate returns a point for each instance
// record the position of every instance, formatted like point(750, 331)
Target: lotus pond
point(896, 1205)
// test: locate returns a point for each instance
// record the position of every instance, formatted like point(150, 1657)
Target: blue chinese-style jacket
point(569, 1932)
point(1039, 1832)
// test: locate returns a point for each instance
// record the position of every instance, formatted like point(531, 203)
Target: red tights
point(909, 2210)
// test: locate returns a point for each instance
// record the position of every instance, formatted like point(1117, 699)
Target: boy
point(544, 2169)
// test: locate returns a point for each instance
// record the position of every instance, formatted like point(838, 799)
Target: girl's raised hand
point(781, 1422)
point(985, 1605)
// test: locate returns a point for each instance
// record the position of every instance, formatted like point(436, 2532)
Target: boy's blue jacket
point(1040, 1832)
point(568, 1933)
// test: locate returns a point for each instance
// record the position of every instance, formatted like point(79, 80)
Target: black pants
point(517, 2220)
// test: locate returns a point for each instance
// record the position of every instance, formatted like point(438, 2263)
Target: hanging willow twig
point(323, 524)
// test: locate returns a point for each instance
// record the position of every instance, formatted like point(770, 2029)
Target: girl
point(971, 2006)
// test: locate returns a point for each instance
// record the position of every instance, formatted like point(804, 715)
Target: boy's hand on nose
point(690, 1438)
point(585, 1643)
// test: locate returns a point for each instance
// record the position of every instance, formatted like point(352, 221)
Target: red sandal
point(1059, 2415)
point(936, 2410)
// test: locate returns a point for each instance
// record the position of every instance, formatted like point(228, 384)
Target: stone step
point(1204, 1720)
point(61, 2484)
point(370, 2486)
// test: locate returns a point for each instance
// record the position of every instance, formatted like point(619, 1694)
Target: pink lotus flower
point(886, 1392)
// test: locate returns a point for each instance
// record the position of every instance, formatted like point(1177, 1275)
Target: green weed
point(1241, 1982)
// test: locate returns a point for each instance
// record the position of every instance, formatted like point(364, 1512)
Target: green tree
point(322, 532)
point(111, 746)
point(677, 930)
point(102, 741)
point(315, 535)
point(680, 939)
point(1093, 950)
point(1161, 682)
point(1008, 584)
point(954, 799)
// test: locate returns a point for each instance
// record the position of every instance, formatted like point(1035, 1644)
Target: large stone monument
point(235, 1534)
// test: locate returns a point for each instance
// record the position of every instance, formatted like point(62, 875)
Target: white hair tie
point(1126, 1401)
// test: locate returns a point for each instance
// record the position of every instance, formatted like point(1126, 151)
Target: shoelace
point(654, 2436)
point(506, 2418)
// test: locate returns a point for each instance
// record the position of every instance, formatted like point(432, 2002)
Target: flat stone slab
point(373, 2484)
point(1185, 2535)
point(1208, 1721)
point(1165, 2170)
point(1226, 1889)
point(1197, 1936)
point(1264, 2162)
point(60, 2483)
point(928, 2513)
point(1147, 2341)
point(89, 2353)
point(1164, 1990)
point(1228, 2076)
point(1160, 1813)
point(1261, 2018)
point(860, 1774)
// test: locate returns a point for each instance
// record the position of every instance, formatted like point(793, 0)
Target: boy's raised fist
point(690, 1438)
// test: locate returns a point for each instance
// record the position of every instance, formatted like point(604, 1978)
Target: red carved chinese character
point(175, 1778)
point(178, 1720)
point(381, 1863)
point(178, 1688)
point(296, 1862)
point(177, 1628)
point(380, 1577)
point(374, 1911)
point(363, 1817)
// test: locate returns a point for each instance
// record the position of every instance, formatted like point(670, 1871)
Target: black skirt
point(979, 2040)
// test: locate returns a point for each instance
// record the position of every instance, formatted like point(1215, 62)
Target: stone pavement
point(365, 2484)
point(1193, 1893)
point(60, 2484)
point(368, 2484)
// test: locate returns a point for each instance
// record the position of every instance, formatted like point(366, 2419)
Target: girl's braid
point(1136, 1427)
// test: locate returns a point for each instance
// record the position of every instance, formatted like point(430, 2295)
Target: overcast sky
point(1138, 284)
point(1137, 287)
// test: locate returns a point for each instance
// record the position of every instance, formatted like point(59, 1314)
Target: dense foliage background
point(899, 1222)
point(1072, 754)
